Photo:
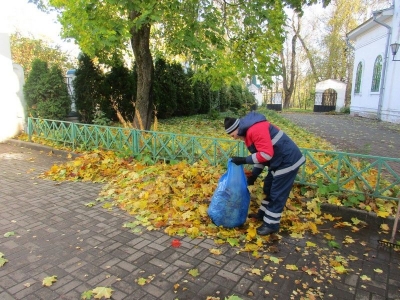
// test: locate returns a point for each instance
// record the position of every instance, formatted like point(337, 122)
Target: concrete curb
point(347, 213)
point(41, 147)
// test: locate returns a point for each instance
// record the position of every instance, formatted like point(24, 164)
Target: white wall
point(368, 45)
point(391, 105)
point(257, 94)
point(11, 108)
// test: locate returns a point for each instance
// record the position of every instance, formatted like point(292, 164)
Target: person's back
point(269, 146)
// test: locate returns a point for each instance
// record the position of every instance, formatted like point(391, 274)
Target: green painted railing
point(332, 172)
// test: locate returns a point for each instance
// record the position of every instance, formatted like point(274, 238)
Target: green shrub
point(164, 90)
point(345, 110)
point(118, 91)
point(46, 92)
point(88, 88)
point(100, 118)
point(213, 114)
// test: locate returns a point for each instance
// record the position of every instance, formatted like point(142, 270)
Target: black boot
point(265, 230)
point(258, 216)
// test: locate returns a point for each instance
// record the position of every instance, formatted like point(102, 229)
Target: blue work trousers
point(277, 190)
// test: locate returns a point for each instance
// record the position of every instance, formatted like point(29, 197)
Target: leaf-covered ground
point(175, 197)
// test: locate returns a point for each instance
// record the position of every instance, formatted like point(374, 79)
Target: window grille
point(357, 88)
point(376, 76)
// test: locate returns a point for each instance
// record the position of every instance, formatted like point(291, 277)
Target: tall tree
point(24, 50)
point(289, 77)
point(308, 52)
point(224, 39)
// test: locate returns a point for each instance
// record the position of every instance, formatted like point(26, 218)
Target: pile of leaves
point(175, 198)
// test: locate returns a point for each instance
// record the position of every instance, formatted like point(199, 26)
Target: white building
point(330, 95)
point(12, 114)
point(69, 78)
point(256, 89)
point(376, 76)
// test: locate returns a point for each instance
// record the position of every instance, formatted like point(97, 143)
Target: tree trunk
point(308, 53)
point(350, 66)
point(140, 39)
point(288, 87)
point(310, 59)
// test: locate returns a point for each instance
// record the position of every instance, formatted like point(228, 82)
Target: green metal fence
point(332, 172)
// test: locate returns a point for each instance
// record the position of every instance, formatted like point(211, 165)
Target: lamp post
point(394, 47)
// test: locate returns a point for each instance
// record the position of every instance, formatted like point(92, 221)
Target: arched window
point(376, 76)
point(357, 87)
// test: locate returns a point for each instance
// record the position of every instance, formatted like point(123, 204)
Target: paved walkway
point(56, 234)
point(352, 134)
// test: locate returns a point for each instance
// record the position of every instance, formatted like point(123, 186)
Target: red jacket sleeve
point(258, 135)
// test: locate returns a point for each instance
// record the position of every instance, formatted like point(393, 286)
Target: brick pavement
point(56, 234)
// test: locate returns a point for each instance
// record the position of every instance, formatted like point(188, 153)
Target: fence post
point(135, 142)
point(30, 129)
point(73, 134)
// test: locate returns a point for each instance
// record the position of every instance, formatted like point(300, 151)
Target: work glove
point(238, 160)
point(251, 180)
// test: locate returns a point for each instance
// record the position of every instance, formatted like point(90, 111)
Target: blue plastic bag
point(230, 201)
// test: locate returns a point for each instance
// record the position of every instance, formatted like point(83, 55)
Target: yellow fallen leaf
point(296, 235)
point(292, 267)
point(251, 233)
point(378, 271)
point(274, 259)
point(267, 278)
point(348, 240)
point(329, 217)
point(313, 227)
point(385, 227)
point(215, 251)
point(48, 281)
point(340, 269)
point(194, 272)
point(365, 277)
point(382, 214)
point(101, 291)
point(256, 271)
point(311, 244)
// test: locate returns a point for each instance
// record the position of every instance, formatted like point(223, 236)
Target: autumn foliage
point(174, 197)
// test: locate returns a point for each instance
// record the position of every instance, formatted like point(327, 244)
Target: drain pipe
point(349, 44)
point(382, 90)
point(349, 89)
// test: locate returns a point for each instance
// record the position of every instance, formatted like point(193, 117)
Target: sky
point(19, 15)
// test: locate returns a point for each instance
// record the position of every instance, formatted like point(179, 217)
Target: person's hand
point(251, 180)
point(238, 160)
